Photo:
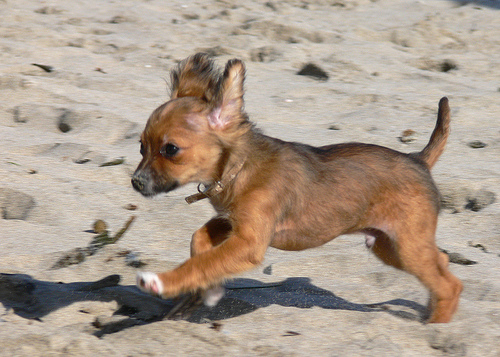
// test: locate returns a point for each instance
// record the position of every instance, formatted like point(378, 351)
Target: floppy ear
point(228, 107)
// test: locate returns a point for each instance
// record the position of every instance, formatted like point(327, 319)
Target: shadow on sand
point(34, 299)
point(495, 4)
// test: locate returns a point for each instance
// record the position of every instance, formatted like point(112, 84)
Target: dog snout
point(138, 182)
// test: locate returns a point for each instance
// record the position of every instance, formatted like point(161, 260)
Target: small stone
point(217, 326)
point(291, 333)
point(132, 260)
point(64, 127)
point(191, 16)
point(448, 65)
point(130, 207)
point(120, 19)
point(313, 71)
point(477, 144)
point(100, 226)
point(268, 270)
point(407, 136)
point(458, 258)
point(114, 162)
point(66, 120)
point(81, 161)
point(45, 67)
point(478, 246)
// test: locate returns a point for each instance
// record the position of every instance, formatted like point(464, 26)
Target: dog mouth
point(148, 188)
point(167, 188)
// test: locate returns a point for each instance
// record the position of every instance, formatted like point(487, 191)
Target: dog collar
point(217, 187)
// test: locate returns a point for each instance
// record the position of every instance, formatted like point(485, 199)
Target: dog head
point(186, 138)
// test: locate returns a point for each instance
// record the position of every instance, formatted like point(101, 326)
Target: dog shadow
point(247, 295)
point(34, 299)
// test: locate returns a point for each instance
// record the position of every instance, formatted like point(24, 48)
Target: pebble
point(99, 226)
point(130, 207)
point(132, 259)
point(477, 144)
point(313, 71)
point(407, 136)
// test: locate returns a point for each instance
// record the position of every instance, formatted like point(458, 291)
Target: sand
point(102, 67)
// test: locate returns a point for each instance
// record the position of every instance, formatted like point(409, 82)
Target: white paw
point(369, 241)
point(212, 296)
point(150, 283)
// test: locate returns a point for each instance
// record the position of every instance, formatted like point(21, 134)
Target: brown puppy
point(290, 196)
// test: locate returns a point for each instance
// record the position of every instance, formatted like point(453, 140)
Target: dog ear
point(196, 76)
point(228, 107)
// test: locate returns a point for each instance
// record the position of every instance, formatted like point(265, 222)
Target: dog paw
point(149, 283)
point(212, 296)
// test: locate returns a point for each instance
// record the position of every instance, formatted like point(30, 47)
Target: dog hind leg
point(443, 309)
point(383, 247)
point(420, 257)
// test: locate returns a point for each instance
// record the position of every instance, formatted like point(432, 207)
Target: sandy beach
point(78, 81)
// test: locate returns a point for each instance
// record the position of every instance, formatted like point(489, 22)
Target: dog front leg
point(213, 233)
point(241, 251)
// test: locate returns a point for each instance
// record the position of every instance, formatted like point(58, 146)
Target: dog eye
point(143, 150)
point(169, 150)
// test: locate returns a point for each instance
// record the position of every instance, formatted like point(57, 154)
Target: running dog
point(273, 193)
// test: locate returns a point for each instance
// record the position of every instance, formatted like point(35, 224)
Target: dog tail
point(431, 153)
point(196, 76)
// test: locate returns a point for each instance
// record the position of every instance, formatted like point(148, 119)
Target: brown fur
point(287, 195)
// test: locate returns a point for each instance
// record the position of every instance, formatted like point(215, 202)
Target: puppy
point(272, 193)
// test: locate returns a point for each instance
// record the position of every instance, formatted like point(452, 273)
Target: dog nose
point(138, 183)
